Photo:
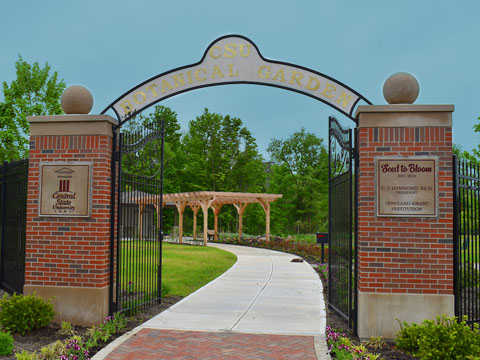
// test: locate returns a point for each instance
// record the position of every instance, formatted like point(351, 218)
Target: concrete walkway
point(246, 313)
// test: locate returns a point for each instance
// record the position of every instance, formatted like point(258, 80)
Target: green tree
point(34, 92)
point(474, 156)
point(217, 153)
point(222, 155)
point(301, 175)
point(202, 145)
point(463, 154)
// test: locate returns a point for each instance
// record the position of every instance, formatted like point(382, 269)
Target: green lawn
point(185, 268)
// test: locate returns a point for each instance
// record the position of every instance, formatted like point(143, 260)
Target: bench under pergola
point(208, 199)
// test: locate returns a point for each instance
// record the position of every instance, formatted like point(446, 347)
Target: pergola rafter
point(204, 200)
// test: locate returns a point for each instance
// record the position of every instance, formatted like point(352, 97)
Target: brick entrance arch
point(404, 251)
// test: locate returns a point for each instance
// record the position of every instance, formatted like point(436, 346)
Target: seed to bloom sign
point(406, 187)
point(65, 189)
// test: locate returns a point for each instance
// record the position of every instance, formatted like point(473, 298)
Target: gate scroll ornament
point(141, 150)
point(340, 148)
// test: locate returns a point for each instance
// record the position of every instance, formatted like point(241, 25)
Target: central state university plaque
point(406, 187)
point(65, 189)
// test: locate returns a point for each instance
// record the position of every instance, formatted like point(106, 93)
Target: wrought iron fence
point(467, 240)
point(13, 211)
point(342, 274)
point(139, 219)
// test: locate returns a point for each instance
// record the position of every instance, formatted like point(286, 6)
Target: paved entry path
point(264, 307)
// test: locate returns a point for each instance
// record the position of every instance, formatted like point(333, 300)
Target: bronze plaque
point(65, 189)
point(406, 187)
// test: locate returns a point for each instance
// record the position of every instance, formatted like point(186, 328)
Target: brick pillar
point(405, 259)
point(68, 257)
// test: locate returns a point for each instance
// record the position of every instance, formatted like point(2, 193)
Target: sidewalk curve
point(263, 307)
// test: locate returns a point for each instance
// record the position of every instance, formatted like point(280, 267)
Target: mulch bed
point(388, 352)
point(37, 339)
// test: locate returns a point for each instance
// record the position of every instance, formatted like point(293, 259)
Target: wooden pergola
point(204, 200)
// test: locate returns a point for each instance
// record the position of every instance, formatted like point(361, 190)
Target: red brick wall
point(69, 251)
point(405, 255)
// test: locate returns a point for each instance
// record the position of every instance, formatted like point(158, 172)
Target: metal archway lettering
point(234, 59)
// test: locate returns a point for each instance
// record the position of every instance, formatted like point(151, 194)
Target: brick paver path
point(176, 344)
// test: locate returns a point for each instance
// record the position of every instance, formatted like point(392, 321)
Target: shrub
point(6, 343)
point(375, 342)
point(23, 314)
point(307, 251)
point(104, 331)
point(52, 351)
point(407, 338)
point(75, 349)
point(343, 348)
point(323, 270)
point(25, 355)
point(67, 329)
point(445, 338)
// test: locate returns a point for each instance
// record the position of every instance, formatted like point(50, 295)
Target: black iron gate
point(137, 259)
point(341, 247)
point(467, 240)
point(13, 217)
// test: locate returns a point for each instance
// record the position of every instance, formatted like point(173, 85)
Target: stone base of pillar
point(378, 313)
point(77, 305)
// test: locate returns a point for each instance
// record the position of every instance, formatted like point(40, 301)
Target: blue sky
point(112, 46)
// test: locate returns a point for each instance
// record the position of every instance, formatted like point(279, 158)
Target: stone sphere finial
point(401, 88)
point(77, 99)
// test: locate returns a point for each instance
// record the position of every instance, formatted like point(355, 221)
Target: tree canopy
point(301, 175)
point(34, 92)
point(218, 153)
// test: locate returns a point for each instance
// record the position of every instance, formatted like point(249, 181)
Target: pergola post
point(195, 209)
point(181, 209)
point(266, 208)
point(205, 204)
point(240, 210)
point(216, 211)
